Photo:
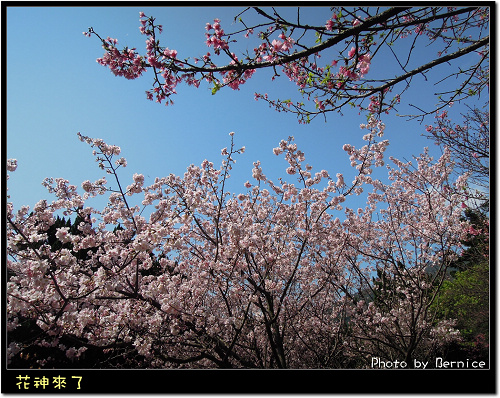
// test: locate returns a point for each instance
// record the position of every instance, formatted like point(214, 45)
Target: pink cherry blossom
point(239, 255)
point(178, 272)
point(274, 47)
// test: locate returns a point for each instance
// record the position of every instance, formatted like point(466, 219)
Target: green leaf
point(309, 80)
point(318, 35)
point(215, 88)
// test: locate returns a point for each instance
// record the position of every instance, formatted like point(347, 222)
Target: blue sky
point(55, 89)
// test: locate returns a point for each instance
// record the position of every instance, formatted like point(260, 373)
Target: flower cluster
point(216, 39)
point(126, 63)
point(235, 78)
point(330, 89)
point(194, 276)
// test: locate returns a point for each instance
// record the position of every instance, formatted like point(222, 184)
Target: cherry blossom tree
point(469, 143)
point(328, 61)
point(393, 319)
point(182, 273)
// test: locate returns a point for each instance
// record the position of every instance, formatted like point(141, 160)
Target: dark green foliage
point(477, 242)
point(466, 295)
point(466, 298)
